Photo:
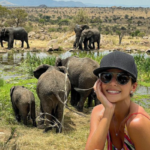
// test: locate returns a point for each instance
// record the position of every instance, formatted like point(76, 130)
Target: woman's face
point(116, 92)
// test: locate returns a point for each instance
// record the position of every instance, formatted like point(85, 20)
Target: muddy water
point(8, 60)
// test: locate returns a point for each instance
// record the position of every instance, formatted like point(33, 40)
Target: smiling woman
point(118, 120)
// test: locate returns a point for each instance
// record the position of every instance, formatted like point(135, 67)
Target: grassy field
point(15, 136)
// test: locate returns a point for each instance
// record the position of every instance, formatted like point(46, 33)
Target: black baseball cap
point(118, 60)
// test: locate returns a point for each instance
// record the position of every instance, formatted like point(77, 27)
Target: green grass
point(76, 129)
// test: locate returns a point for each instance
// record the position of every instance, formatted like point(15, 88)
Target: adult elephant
point(14, 33)
point(81, 76)
point(91, 35)
point(78, 30)
point(53, 88)
point(3, 38)
point(23, 104)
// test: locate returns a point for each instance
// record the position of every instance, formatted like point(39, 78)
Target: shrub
point(52, 29)
point(1, 82)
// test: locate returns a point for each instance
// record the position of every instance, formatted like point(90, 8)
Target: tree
point(81, 17)
point(18, 17)
point(121, 33)
point(139, 23)
point(3, 13)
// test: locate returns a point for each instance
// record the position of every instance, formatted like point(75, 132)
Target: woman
point(122, 123)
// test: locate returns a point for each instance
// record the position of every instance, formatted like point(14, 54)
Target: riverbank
point(64, 41)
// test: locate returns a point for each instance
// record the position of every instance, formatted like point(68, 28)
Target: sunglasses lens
point(123, 79)
point(106, 77)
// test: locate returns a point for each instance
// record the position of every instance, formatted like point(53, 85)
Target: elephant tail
point(82, 90)
point(68, 107)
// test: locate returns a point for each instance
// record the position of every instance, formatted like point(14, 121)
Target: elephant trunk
point(81, 40)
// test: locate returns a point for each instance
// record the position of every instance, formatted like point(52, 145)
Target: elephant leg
point(76, 42)
point(85, 44)
point(74, 97)
point(16, 111)
point(60, 113)
point(2, 44)
point(98, 45)
point(90, 99)
point(24, 111)
point(24, 118)
point(42, 115)
point(90, 44)
point(80, 46)
point(49, 116)
point(93, 45)
point(22, 45)
point(26, 40)
point(33, 116)
point(83, 96)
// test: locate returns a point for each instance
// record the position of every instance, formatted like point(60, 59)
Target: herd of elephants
point(84, 34)
point(70, 75)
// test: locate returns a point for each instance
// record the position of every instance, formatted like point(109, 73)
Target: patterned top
point(127, 145)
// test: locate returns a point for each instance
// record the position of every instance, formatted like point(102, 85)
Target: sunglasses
point(122, 78)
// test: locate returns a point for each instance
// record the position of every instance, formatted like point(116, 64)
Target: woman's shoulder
point(98, 110)
point(137, 117)
point(138, 123)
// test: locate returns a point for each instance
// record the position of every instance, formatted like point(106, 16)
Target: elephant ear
point(11, 91)
point(85, 26)
point(89, 34)
point(63, 69)
point(40, 70)
point(58, 62)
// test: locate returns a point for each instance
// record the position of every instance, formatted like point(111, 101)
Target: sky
point(109, 3)
point(115, 2)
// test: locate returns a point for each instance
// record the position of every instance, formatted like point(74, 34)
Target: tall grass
point(1, 82)
point(32, 61)
point(143, 64)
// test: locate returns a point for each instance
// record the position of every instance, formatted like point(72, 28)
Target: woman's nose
point(113, 81)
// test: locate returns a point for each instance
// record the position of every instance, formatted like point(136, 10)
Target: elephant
point(53, 88)
point(23, 104)
point(14, 33)
point(78, 30)
point(3, 38)
point(93, 35)
point(81, 76)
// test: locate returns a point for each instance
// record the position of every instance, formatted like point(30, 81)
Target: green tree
point(121, 33)
point(3, 13)
point(18, 17)
point(81, 17)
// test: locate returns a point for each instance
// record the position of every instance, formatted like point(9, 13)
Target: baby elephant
point(53, 88)
point(23, 102)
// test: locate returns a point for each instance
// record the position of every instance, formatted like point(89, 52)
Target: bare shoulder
point(138, 128)
point(98, 110)
point(138, 117)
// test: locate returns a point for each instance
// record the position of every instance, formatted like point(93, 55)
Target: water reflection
point(10, 59)
point(142, 90)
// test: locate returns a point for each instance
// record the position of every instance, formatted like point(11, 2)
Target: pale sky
point(115, 2)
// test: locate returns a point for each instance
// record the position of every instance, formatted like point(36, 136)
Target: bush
point(141, 34)
point(28, 28)
point(52, 29)
point(1, 82)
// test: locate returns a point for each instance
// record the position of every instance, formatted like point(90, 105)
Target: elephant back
point(81, 71)
point(53, 81)
point(22, 95)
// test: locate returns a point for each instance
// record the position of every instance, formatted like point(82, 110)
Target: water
point(142, 90)
point(15, 58)
point(8, 60)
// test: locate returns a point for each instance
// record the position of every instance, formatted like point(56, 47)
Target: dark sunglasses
point(122, 78)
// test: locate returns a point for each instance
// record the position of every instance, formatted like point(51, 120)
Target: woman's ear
point(134, 86)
